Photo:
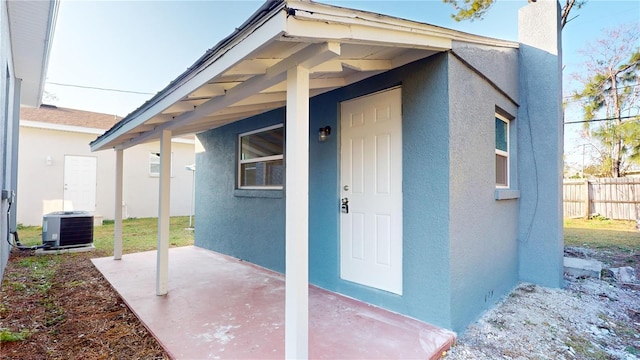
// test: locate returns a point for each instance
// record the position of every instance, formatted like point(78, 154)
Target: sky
point(137, 47)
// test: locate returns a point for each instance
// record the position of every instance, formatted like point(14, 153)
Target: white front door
point(80, 183)
point(371, 182)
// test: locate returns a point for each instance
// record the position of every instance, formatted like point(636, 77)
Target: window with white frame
point(502, 151)
point(154, 164)
point(261, 158)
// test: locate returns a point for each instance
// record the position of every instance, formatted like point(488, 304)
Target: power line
point(101, 89)
point(584, 96)
point(604, 119)
point(146, 93)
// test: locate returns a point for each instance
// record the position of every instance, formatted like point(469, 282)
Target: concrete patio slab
point(582, 267)
point(219, 307)
point(71, 250)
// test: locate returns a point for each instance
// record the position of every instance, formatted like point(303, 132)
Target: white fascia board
point(241, 48)
point(54, 5)
point(305, 30)
point(60, 127)
point(308, 11)
point(183, 141)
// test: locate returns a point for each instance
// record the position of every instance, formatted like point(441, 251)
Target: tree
point(591, 171)
point(611, 92)
point(475, 9)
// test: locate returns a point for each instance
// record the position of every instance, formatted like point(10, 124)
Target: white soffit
point(31, 27)
point(245, 74)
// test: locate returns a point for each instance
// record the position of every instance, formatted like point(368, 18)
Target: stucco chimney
point(540, 144)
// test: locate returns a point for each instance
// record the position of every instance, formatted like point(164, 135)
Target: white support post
point(162, 270)
point(297, 215)
point(117, 231)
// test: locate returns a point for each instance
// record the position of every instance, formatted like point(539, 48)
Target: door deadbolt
point(345, 205)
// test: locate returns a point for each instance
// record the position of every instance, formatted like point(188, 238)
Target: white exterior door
point(371, 182)
point(80, 183)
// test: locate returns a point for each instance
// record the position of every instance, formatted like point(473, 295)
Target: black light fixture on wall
point(324, 133)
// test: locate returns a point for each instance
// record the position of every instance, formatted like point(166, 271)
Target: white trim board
point(81, 129)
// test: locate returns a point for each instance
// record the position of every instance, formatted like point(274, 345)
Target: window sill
point(507, 194)
point(252, 193)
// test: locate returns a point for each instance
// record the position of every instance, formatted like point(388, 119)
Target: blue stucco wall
point(500, 64)
point(252, 228)
point(483, 242)
point(240, 223)
point(460, 244)
point(541, 138)
point(9, 125)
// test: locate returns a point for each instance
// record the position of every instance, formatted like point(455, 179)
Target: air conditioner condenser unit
point(67, 229)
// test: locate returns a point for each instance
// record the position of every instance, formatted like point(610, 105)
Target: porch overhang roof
point(244, 74)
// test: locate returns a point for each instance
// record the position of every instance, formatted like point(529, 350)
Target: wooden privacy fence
point(612, 198)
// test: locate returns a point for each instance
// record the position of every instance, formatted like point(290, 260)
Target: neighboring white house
point(26, 32)
point(57, 170)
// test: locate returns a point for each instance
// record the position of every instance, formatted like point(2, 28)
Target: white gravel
point(589, 319)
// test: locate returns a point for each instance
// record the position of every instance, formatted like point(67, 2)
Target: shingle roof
point(63, 116)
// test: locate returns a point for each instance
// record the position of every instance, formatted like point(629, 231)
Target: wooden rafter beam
point(313, 84)
point(308, 57)
point(211, 90)
point(367, 65)
point(159, 119)
point(145, 127)
point(229, 114)
point(251, 67)
point(262, 98)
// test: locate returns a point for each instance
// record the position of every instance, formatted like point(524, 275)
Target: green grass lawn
point(137, 234)
point(603, 234)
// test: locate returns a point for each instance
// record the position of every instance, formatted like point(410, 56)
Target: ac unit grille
point(76, 231)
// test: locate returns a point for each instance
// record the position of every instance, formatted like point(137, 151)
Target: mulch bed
point(68, 311)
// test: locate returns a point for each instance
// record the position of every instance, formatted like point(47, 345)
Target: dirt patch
point(64, 309)
point(610, 258)
point(588, 319)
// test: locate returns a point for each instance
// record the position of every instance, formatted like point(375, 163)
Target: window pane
point(154, 164)
point(154, 169)
point(262, 144)
point(264, 173)
point(501, 135)
point(502, 170)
